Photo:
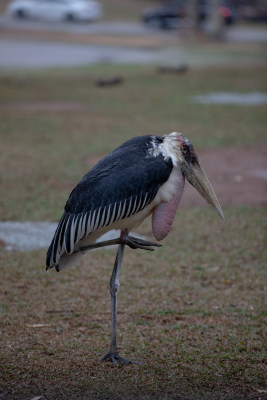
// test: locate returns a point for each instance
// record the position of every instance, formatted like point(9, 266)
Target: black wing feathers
point(118, 186)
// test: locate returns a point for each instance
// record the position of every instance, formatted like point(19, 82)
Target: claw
point(136, 243)
point(115, 358)
point(144, 242)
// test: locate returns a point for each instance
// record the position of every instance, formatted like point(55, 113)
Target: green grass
point(193, 311)
point(52, 122)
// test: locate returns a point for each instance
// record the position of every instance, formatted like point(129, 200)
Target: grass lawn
point(193, 311)
point(54, 124)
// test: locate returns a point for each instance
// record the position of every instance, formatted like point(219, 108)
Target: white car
point(70, 10)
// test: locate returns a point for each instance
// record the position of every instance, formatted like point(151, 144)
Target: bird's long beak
point(197, 177)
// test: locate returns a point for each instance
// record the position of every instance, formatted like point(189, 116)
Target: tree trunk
point(215, 25)
point(191, 23)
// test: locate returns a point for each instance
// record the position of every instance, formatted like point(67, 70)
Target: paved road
point(235, 33)
point(38, 54)
point(16, 53)
point(247, 35)
point(105, 28)
point(34, 54)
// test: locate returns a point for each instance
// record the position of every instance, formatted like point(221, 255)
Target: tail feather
point(71, 229)
point(55, 249)
point(59, 254)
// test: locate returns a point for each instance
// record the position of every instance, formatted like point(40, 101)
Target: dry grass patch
point(192, 313)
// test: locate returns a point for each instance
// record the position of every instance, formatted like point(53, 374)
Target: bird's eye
point(185, 148)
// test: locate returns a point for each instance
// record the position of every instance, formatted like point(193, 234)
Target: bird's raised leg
point(130, 241)
point(113, 354)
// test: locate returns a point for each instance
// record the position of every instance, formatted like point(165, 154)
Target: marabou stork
point(143, 176)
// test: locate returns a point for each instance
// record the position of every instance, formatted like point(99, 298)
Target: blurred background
point(163, 24)
point(116, 69)
point(78, 78)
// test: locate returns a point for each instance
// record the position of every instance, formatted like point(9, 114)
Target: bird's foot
point(136, 243)
point(115, 358)
point(130, 241)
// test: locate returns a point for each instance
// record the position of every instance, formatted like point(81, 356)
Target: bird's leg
point(130, 241)
point(113, 354)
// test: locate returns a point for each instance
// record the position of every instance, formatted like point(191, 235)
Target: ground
point(192, 312)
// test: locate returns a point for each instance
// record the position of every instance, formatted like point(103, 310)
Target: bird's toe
point(115, 358)
point(136, 243)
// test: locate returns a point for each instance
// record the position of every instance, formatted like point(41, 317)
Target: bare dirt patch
point(238, 175)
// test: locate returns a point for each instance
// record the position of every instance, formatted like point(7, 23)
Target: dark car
point(166, 16)
point(172, 14)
